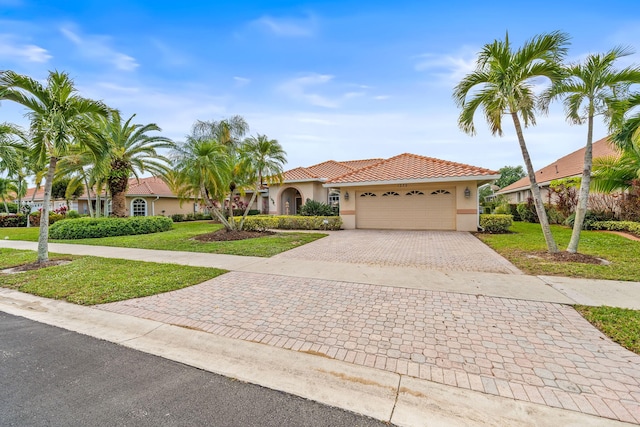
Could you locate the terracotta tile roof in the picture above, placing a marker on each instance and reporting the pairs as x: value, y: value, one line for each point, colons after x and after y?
x: 327, y: 170
x: 411, y: 167
x: 567, y: 166
x: 152, y: 186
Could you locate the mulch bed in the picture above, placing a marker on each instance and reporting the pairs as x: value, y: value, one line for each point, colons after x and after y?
x: 36, y: 266
x: 564, y: 256
x: 226, y: 236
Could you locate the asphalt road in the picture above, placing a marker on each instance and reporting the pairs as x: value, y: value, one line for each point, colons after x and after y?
x: 53, y: 377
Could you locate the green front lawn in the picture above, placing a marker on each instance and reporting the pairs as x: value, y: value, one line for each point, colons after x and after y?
x: 180, y: 239
x: 93, y: 280
x: 620, y: 324
x: 526, y: 240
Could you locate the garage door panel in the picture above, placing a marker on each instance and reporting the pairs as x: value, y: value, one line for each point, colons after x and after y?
x: 424, y: 209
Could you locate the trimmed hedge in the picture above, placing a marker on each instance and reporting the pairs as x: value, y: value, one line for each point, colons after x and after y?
x: 290, y: 222
x: 496, y: 223
x: 630, y: 226
x: 87, y: 228
x: 13, y: 220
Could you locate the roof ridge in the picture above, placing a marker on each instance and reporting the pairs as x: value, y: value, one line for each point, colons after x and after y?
x: 361, y: 169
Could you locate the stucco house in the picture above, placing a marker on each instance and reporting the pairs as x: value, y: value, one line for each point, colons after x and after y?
x: 568, y: 166
x: 145, y: 197
x: 407, y: 191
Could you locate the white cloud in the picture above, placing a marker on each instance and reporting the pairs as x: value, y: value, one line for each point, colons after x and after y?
x: 381, y: 97
x: 298, y: 88
x: 288, y: 27
x: 98, y: 47
x: 11, y: 49
x: 241, y: 81
x: 448, y: 68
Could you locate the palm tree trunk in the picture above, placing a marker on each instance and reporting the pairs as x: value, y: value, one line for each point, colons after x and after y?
x: 212, y: 208
x: 552, y: 247
x: 88, y: 190
x: 583, y: 195
x: 246, y: 210
x: 118, y: 204
x: 43, y: 237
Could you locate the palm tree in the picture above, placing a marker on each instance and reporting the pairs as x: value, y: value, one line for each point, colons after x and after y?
x: 131, y: 152
x: 11, y: 143
x: 7, y: 189
x: 266, y: 158
x: 60, y: 119
x: 226, y: 131
x: 502, y: 84
x: 621, y: 173
x: 591, y: 88
x: 203, y: 171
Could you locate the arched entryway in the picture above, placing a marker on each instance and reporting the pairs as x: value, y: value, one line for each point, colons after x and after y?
x: 290, y: 201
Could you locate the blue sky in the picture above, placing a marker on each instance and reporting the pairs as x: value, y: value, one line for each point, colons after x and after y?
x: 328, y: 79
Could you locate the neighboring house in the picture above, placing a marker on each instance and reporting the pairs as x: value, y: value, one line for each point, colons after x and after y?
x: 568, y: 166
x: 407, y: 191
x: 146, y: 197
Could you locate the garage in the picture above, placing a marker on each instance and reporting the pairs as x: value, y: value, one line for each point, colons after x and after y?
x: 432, y: 208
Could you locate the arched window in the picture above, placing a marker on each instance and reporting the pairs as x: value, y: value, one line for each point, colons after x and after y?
x: 139, y: 207
x: 415, y: 193
x: 368, y: 195
x: 390, y: 193
x: 440, y: 192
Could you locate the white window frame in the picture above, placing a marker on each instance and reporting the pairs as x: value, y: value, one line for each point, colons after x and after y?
x: 133, y: 206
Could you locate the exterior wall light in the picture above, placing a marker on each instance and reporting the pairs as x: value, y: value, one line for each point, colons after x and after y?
x: 346, y: 195
x: 467, y: 192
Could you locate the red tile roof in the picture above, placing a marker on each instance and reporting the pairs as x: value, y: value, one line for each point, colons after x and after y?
x: 326, y: 170
x: 151, y: 186
x: 406, y: 167
x: 570, y: 165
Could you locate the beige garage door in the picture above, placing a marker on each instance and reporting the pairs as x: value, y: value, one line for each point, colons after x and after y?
x: 421, y: 209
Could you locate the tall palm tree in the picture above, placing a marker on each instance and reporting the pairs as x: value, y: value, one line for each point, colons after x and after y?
x: 60, y: 119
x: 132, y: 152
x: 266, y: 158
x: 202, y: 170
x: 591, y: 88
x: 502, y: 84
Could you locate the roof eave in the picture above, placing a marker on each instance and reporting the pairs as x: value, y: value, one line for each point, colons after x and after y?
x: 414, y: 181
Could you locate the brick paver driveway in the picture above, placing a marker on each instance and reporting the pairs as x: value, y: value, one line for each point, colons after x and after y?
x: 531, y: 351
x: 436, y: 250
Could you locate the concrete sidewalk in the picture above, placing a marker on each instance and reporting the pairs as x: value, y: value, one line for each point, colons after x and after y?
x: 555, y: 289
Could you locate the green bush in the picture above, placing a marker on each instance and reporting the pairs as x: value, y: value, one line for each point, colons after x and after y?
x: 34, y: 218
x: 314, y: 208
x: 86, y: 228
x: 73, y: 214
x: 177, y: 217
x: 290, y: 222
x: 13, y: 207
x: 630, y: 226
x: 496, y: 223
x: 590, y: 218
x: 13, y: 220
x: 527, y: 211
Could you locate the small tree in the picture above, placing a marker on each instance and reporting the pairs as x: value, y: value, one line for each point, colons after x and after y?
x: 509, y: 175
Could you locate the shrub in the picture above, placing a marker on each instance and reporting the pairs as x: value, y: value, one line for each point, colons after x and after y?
x: 314, y: 208
x: 496, y: 223
x: 86, y: 228
x: 527, y: 211
x: 630, y: 226
x: 34, y: 218
x: 630, y: 208
x: 555, y: 216
x: 73, y: 214
x: 590, y: 218
x: 13, y: 220
x: 290, y: 222
x: 13, y: 207
x: 177, y: 217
